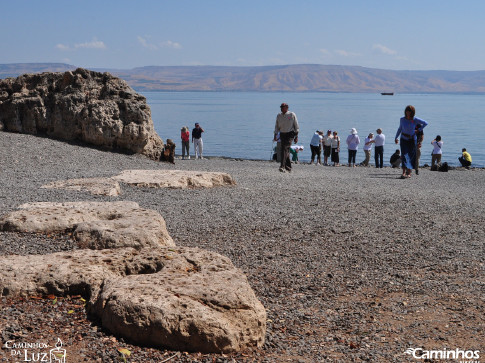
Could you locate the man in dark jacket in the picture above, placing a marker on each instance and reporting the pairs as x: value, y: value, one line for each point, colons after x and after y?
x: 197, y: 140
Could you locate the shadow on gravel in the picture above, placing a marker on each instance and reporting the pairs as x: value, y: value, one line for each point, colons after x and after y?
x: 384, y: 176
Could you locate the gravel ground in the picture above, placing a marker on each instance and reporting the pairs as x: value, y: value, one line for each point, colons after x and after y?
x: 352, y: 264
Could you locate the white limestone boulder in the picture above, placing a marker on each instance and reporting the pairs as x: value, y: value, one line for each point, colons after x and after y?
x: 95, y: 225
x: 179, y: 298
x: 178, y: 179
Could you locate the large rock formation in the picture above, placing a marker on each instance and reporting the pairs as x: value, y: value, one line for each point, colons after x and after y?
x: 154, y: 294
x: 82, y: 106
x: 179, y: 298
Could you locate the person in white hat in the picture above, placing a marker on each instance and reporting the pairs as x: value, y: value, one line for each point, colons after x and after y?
x: 353, y: 142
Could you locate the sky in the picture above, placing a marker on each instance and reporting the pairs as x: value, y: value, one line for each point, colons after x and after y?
x: 121, y: 34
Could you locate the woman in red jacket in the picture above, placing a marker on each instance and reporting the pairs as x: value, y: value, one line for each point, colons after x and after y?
x: 185, y: 135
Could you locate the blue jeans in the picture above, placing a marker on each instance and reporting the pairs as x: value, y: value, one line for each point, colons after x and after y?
x: 408, y: 153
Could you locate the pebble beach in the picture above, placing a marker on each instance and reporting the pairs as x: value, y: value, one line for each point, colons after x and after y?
x: 351, y: 264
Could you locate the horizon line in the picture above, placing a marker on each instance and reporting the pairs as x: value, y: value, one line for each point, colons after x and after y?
x: 240, y: 66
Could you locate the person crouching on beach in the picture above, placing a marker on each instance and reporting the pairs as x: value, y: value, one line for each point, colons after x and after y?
x: 407, y: 131
x: 287, y: 125
x: 185, y: 136
x: 465, y: 159
x: 335, y: 149
x: 353, y: 142
x: 294, y: 150
x: 395, y: 159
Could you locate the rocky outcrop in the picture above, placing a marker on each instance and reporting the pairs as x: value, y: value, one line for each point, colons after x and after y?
x: 94, y: 225
x: 179, y: 298
x: 80, y: 106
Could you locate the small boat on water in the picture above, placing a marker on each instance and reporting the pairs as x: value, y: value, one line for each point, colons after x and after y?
x: 387, y: 93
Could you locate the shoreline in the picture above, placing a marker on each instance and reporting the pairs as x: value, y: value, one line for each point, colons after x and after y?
x: 307, y: 162
x: 350, y: 263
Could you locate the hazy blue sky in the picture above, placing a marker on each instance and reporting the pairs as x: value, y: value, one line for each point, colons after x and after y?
x: 413, y: 34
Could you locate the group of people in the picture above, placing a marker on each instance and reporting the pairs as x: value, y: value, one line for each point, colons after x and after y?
x: 196, y: 140
x: 330, y: 144
x: 409, y: 135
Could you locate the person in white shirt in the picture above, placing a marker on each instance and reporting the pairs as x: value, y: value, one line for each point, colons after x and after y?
x: 353, y: 142
x: 379, y: 142
x: 287, y: 125
x: 367, y: 149
x: 316, y: 146
x: 327, y: 146
x: 294, y: 150
x: 335, y: 149
x: 437, y: 152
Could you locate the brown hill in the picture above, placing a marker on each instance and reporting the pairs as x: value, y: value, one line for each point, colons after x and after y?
x: 303, y: 78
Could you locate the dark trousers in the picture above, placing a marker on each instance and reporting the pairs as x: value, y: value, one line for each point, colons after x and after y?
x: 286, y: 141
x: 379, y: 156
x: 316, y: 151
x: 185, y: 148
x: 352, y: 154
x: 463, y: 162
x: 418, y: 156
x: 335, y: 157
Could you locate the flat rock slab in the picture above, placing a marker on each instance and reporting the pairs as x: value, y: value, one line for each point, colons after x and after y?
x: 174, y: 297
x: 179, y: 179
x: 95, y: 186
x: 95, y: 225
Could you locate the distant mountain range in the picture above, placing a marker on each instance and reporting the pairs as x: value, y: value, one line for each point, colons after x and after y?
x: 296, y: 78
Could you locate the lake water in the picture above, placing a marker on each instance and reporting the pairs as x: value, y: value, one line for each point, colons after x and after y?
x: 241, y: 124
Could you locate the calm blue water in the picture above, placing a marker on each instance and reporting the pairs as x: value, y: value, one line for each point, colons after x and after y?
x: 241, y: 124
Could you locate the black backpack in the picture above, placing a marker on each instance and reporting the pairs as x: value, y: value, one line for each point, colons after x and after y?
x: 444, y: 167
